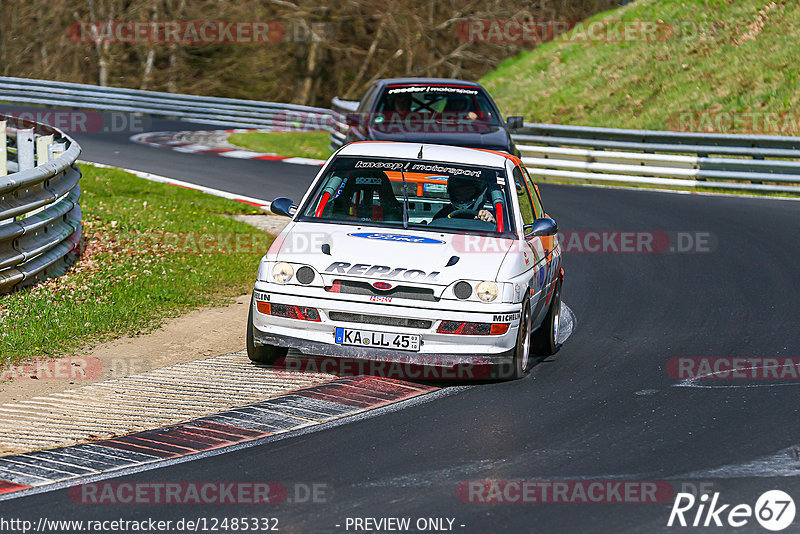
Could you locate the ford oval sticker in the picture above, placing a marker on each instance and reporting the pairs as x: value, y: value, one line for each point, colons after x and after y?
x: 397, y: 238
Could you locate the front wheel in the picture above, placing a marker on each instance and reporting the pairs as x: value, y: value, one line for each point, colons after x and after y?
x: 522, y: 351
x: 261, y: 353
x: 545, y: 338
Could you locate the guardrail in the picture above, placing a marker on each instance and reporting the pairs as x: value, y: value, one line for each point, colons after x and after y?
x: 666, y: 159
x: 205, y: 109
x: 583, y: 154
x: 40, y: 218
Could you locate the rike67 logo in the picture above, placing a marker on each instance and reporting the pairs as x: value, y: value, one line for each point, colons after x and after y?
x: 774, y: 510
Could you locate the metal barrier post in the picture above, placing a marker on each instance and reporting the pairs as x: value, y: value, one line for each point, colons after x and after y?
x: 25, y: 155
x: 55, y: 150
x: 42, y: 149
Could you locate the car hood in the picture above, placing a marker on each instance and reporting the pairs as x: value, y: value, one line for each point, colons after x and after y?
x: 396, y: 255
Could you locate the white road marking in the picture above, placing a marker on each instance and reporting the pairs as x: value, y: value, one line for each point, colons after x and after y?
x: 784, y: 463
x: 242, y: 154
x: 692, y: 382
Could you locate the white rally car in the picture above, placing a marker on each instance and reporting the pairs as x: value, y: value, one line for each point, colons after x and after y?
x: 423, y: 254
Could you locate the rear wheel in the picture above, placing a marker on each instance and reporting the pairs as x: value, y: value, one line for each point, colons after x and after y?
x: 261, y: 353
x: 545, y: 338
x: 522, y: 351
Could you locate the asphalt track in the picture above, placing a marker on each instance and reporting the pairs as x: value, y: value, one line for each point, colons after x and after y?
x: 603, y: 408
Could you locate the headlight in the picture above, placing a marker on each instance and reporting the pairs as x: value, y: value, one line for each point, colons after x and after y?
x: 283, y: 272
x: 486, y: 291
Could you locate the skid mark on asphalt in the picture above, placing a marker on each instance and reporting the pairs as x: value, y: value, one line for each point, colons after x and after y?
x: 295, y: 411
x: 143, y: 401
x: 785, y: 463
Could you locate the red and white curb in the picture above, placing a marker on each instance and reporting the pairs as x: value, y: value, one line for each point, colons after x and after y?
x: 257, y: 202
x: 213, y: 142
x: 294, y: 411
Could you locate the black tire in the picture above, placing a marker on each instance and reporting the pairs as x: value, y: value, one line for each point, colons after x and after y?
x: 522, y: 351
x: 545, y: 338
x: 261, y: 353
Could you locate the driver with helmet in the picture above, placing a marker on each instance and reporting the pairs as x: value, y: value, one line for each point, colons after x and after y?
x: 465, y: 196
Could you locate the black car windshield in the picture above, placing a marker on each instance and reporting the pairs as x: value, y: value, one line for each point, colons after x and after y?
x: 405, y: 105
x: 440, y: 196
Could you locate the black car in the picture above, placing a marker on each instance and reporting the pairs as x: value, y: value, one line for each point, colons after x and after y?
x: 431, y: 110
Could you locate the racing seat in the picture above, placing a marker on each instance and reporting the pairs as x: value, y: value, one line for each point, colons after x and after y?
x: 368, y: 195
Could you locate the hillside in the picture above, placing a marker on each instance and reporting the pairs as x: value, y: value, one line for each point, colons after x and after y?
x: 727, y: 66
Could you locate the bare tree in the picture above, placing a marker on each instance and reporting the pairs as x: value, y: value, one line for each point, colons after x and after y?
x: 329, y: 48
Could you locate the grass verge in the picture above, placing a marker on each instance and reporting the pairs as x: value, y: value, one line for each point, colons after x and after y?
x: 152, y: 251
x: 289, y: 144
x: 718, y: 65
x: 713, y: 66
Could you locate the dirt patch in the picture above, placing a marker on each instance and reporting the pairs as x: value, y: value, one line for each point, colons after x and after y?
x: 271, y: 224
x: 198, y: 334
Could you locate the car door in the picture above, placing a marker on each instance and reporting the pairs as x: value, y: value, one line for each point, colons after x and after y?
x: 545, y: 250
x: 532, y: 249
x: 552, y: 248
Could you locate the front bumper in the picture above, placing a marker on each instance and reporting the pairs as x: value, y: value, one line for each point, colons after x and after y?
x: 318, y: 338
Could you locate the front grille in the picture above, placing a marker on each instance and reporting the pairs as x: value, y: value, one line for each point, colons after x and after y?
x: 379, y: 320
x: 352, y: 287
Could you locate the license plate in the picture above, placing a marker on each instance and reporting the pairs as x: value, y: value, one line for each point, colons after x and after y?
x: 379, y: 340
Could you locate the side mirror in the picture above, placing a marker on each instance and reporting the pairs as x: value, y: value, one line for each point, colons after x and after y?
x: 353, y: 119
x: 514, y: 123
x: 542, y: 227
x: 283, y: 206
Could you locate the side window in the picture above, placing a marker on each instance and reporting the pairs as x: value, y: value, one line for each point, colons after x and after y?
x: 525, y: 206
x: 537, y: 202
x: 366, y: 102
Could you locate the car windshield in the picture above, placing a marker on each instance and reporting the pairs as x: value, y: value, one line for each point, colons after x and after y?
x: 441, y: 196
x: 442, y: 105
